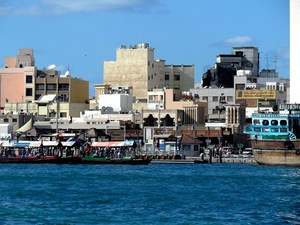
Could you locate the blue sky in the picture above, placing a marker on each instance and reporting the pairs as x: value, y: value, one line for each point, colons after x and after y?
x: 82, y: 34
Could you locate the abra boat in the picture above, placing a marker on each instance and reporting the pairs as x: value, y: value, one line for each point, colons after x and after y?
x: 40, y: 160
x: 115, y: 152
x: 124, y: 160
x: 275, y: 137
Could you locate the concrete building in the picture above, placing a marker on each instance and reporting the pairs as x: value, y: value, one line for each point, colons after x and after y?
x: 22, y: 85
x: 179, y: 77
x: 136, y: 66
x: 17, y: 78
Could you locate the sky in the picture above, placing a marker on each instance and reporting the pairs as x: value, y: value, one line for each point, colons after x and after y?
x: 82, y: 34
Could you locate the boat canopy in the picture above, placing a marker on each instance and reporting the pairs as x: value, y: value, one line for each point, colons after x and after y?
x: 35, y: 144
x: 21, y: 144
x: 68, y: 143
x: 50, y: 143
x: 112, y: 143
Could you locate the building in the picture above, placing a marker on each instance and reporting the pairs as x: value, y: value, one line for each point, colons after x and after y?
x: 136, y: 66
x: 226, y: 67
x: 17, y: 78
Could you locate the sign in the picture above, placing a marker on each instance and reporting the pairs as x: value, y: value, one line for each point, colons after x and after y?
x: 290, y: 107
x: 256, y: 94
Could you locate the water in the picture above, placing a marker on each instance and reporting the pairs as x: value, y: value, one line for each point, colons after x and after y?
x: 151, y: 194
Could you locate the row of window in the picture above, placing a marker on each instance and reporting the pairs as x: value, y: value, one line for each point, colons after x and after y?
x: 52, y: 87
x: 273, y: 129
x: 272, y: 122
x: 176, y: 77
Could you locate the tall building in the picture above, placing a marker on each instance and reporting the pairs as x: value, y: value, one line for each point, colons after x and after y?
x: 22, y: 85
x: 294, y: 51
x: 17, y: 78
x: 135, y: 66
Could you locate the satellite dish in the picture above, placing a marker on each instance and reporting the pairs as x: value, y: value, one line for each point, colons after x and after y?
x: 51, y: 67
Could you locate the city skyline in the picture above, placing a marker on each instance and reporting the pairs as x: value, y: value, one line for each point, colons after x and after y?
x: 82, y: 35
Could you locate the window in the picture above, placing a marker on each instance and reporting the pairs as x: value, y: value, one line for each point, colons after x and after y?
x: 5, y: 120
x: 265, y: 122
x: 229, y: 98
x: 205, y: 98
x: 283, y: 123
x: 274, y: 122
x: 167, y: 77
x: 51, y: 87
x: 176, y: 77
x: 215, y: 111
x: 256, y: 129
x: 40, y: 87
x: 151, y: 76
x: 215, y: 98
x: 63, y: 87
x: 256, y: 122
x: 28, y: 79
x: 28, y: 91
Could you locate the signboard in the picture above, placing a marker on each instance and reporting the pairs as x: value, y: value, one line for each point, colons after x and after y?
x: 256, y: 94
x: 290, y: 107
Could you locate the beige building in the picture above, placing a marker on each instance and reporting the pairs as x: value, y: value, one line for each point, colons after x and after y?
x: 179, y: 77
x: 135, y: 66
x: 22, y: 85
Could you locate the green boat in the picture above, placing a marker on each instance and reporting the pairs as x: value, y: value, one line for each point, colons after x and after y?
x: 113, y: 153
x: 125, y: 160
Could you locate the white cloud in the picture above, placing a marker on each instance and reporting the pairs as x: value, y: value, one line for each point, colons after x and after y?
x: 238, y: 40
x: 42, y: 7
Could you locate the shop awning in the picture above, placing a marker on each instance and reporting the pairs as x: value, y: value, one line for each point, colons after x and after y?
x: 68, y: 143
x: 26, y: 127
x: 21, y: 144
x: 35, y: 144
x: 50, y: 143
x: 112, y: 143
x: 7, y: 144
x: 108, y: 144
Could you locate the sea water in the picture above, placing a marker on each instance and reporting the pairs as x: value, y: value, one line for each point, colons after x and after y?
x: 149, y: 194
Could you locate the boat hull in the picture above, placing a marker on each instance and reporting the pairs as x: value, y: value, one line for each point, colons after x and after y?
x: 131, y: 161
x: 276, y: 152
x: 45, y: 160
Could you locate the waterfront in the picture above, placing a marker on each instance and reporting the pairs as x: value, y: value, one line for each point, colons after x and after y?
x: 151, y: 194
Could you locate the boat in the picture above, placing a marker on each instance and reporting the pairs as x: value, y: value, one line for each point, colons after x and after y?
x: 275, y: 136
x: 113, y: 152
x: 37, y: 152
x: 107, y: 160
x: 40, y: 160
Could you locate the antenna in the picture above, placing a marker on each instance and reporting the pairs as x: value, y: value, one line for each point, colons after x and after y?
x: 275, y: 61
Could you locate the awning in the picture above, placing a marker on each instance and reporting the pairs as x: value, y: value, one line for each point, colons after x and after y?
x: 68, y: 143
x: 7, y: 144
x: 35, y: 144
x: 26, y: 127
x: 108, y: 144
x: 50, y: 143
x: 21, y: 144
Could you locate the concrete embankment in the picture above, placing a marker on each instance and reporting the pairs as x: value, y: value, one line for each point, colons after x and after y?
x: 190, y: 160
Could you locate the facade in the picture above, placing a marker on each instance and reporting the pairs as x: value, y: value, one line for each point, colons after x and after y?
x: 22, y: 85
x: 216, y: 99
x: 179, y: 77
x: 136, y: 66
x: 17, y: 78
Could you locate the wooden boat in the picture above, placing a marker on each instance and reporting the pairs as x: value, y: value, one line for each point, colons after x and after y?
x: 275, y: 137
x: 40, y: 160
x: 124, y: 160
x: 115, y: 152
